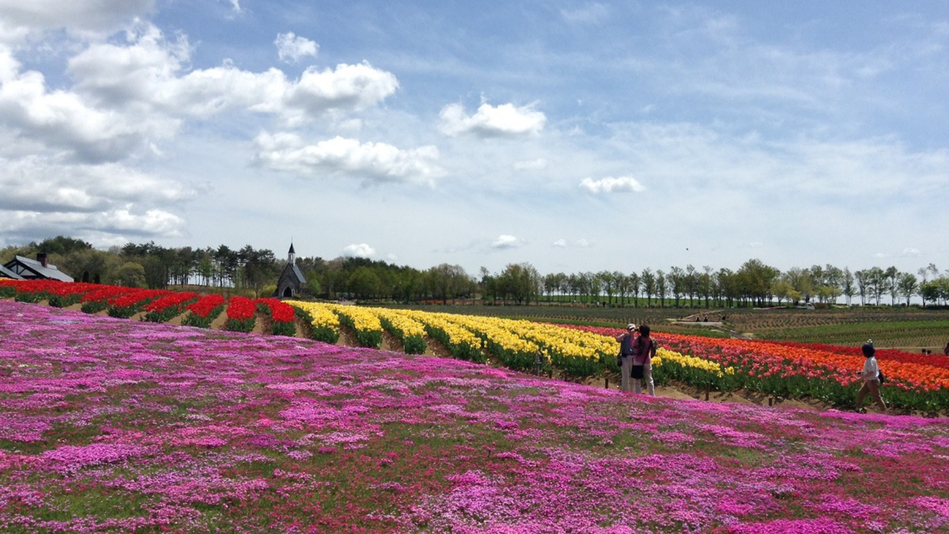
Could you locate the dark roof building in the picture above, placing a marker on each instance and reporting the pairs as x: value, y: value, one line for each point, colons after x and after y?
x: 38, y: 269
x: 291, y: 281
x: 7, y: 273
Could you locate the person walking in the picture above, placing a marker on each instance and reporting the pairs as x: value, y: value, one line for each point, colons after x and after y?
x: 644, y: 351
x: 626, y: 341
x: 871, y: 377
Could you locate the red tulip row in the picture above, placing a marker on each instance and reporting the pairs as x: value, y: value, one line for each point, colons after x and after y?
x: 204, y: 311
x: 59, y: 294
x: 241, y: 314
x: 914, y: 381
x: 282, y: 315
x: 935, y: 360
x: 168, y: 306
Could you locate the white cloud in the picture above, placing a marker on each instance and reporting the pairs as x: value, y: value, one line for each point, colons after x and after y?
x: 361, y: 250
x: 909, y: 253
x: 531, y: 165
x: 121, y: 221
x: 96, y: 16
x: 592, y: 13
x: 579, y: 243
x: 37, y: 184
x: 506, y: 242
x: 625, y: 184
x: 152, y: 222
x: 291, y: 48
x: 235, y: 5
x: 150, y: 75
x: 373, y: 162
x: 62, y: 120
x: 348, y: 87
x: 505, y: 120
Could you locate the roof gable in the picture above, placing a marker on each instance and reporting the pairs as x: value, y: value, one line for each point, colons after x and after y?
x: 27, y: 268
x: 4, y: 272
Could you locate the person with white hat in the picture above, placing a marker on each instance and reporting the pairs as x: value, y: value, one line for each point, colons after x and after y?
x: 626, y: 348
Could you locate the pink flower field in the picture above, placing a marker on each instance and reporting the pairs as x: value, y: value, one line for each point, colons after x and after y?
x: 109, y: 425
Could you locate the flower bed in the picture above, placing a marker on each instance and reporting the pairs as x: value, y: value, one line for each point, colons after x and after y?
x: 241, y: 314
x: 165, y: 308
x: 795, y: 371
x: 409, y: 331
x: 914, y: 381
x: 461, y: 342
x: 364, y: 323
x: 282, y: 316
x: 98, y: 299
x: 203, y: 312
x: 132, y: 302
x: 119, y: 426
x: 324, y: 324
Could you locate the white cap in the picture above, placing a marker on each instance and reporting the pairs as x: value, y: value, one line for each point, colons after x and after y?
x: 631, y: 326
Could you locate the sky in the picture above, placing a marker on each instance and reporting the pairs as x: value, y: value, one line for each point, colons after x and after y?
x: 574, y: 136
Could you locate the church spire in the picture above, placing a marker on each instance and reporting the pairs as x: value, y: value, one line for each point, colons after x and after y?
x: 292, y: 255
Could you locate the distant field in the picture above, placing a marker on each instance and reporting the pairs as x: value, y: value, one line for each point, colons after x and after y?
x: 592, y: 315
x: 911, y: 329
x: 906, y: 328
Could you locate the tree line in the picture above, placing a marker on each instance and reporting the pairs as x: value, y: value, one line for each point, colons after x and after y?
x: 255, y: 271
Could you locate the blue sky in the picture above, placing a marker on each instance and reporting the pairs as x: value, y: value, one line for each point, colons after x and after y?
x: 577, y: 136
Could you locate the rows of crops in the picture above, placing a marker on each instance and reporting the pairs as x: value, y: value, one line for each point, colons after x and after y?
x: 574, y: 352
x: 155, y: 305
x: 915, y: 381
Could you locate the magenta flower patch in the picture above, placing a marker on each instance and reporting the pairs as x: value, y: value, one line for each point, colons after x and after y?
x: 111, y: 426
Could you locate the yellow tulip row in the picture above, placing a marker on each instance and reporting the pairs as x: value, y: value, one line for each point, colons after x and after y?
x: 498, y: 332
x: 694, y: 363
x: 457, y: 334
x: 322, y: 316
x: 513, y: 341
x: 567, y: 342
x: 363, y: 319
x: 408, y: 326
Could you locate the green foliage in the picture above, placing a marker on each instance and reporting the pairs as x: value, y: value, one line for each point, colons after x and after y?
x: 284, y: 329
x: 414, y: 344
x: 94, y: 306
x: 324, y: 334
x: 60, y: 301
x: 124, y: 312
x: 130, y: 274
x: 30, y: 296
x: 168, y: 313
x: 237, y: 325
x: 192, y: 319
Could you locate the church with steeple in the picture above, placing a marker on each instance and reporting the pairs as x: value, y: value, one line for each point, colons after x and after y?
x: 291, y: 280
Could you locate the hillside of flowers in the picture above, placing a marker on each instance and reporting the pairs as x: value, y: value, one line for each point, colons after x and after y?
x: 109, y: 425
x: 915, y: 383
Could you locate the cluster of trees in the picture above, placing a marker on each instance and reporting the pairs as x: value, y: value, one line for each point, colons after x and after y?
x: 754, y: 283
x: 154, y: 266
x: 245, y: 270
x: 251, y: 270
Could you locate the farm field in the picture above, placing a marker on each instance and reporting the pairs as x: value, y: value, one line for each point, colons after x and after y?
x: 113, y: 425
x: 776, y: 372
x: 911, y: 329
